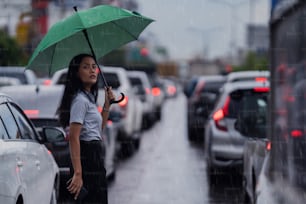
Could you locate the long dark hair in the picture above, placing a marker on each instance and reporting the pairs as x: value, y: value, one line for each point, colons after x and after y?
x: 72, y: 85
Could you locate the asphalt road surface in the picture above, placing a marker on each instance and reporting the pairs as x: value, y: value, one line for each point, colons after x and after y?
x: 168, y: 168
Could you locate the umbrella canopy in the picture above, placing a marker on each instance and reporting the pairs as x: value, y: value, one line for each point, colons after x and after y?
x: 107, y: 28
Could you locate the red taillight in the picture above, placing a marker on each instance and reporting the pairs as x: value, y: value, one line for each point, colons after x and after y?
x: 109, y: 122
x: 47, y: 82
x: 268, y: 145
x: 100, y: 109
x: 124, y: 102
x: 155, y: 91
x: 261, y: 79
x: 296, y: 133
x: 171, y: 90
x: 49, y: 152
x: 31, y: 113
x: 220, y: 114
x: 148, y: 91
x: 261, y: 89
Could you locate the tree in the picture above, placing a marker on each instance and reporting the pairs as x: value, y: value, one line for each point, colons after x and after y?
x: 11, y: 54
x: 253, y: 62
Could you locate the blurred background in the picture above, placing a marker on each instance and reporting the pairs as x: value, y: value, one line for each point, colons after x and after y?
x: 187, y: 38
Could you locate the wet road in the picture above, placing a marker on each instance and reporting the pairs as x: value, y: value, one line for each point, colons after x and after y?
x: 168, y: 168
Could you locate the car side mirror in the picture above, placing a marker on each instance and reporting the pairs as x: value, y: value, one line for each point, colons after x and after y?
x: 53, y: 134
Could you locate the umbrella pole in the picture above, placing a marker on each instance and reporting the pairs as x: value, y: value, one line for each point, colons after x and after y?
x: 100, y: 71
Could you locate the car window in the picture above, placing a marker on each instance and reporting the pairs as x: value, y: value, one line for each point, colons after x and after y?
x: 3, y: 132
x: 9, y: 122
x: 111, y: 79
x: 26, y: 130
x: 62, y: 79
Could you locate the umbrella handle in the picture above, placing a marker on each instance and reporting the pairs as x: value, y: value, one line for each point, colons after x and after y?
x: 118, y: 101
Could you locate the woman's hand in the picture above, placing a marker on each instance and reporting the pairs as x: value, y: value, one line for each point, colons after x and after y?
x: 75, y: 184
x: 109, y: 96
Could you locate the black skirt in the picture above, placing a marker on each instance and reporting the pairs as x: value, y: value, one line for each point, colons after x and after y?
x: 93, y: 171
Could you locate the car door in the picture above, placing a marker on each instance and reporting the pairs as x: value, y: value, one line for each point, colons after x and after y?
x: 14, y: 156
x: 37, y: 174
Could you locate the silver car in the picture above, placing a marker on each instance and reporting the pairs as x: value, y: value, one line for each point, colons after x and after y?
x: 28, y: 171
x: 223, y: 141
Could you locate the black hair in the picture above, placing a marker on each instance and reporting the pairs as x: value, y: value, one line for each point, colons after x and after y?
x: 73, y: 84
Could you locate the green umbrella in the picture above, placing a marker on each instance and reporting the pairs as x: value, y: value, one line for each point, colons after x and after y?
x: 95, y: 31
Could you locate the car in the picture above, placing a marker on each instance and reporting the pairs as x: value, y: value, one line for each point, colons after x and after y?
x: 9, y: 81
x: 201, y: 102
x: 29, y: 173
x: 223, y: 142
x: 41, y: 105
x: 248, y: 75
x: 170, y: 87
x: 131, y: 107
x: 140, y: 81
x: 25, y: 76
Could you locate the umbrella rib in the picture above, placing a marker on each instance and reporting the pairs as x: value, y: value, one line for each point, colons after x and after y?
x: 52, y: 56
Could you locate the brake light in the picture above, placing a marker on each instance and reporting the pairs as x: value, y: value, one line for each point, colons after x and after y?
x: 155, y: 91
x: 296, y: 133
x: 47, y: 82
x: 261, y: 79
x: 268, y: 145
x: 261, y: 89
x: 171, y: 90
x: 109, y: 122
x: 124, y: 102
x: 220, y: 114
x: 148, y: 91
x: 31, y: 113
x: 100, y: 109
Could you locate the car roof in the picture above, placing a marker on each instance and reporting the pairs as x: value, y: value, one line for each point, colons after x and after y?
x: 212, y: 78
x: 44, y: 99
x: 241, y: 75
x: 228, y: 87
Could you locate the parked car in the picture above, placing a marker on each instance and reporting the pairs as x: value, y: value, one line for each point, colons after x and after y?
x: 29, y: 173
x: 130, y: 108
x: 140, y: 82
x: 200, y: 104
x: 40, y: 106
x: 223, y: 142
x: 251, y: 75
x: 9, y: 81
x: 25, y: 76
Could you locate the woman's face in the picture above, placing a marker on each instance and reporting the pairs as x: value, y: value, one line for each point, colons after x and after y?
x: 88, y: 72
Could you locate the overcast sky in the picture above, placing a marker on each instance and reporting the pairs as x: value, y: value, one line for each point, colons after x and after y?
x: 186, y: 27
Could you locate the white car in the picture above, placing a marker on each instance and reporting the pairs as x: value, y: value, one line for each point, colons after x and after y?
x: 25, y: 76
x: 140, y: 81
x: 131, y: 107
x: 28, y: 171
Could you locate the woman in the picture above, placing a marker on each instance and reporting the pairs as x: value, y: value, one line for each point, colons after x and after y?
x: 79, y: 112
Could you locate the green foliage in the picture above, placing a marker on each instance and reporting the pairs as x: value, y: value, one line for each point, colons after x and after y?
x: 253, y: 62
x: 11, y: 54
